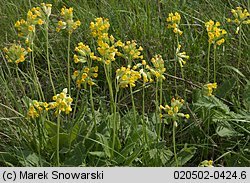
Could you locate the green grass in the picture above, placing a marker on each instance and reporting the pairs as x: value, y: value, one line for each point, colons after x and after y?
x: 100, y: 135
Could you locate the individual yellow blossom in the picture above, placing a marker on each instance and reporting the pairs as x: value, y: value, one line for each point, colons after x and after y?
x: 174, y: 22
x: 172, y: 111
x: 209, y: 88
x: 215, y: 34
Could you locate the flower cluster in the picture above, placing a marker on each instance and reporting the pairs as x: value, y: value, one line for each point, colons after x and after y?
x: 215, y: 34
x: 37, y: 108
x: 181, y: 56
x: 127, y: 77
x: 173, y: 111
x: 209, y: 88
x: 16, y: 53
x: 62, y: 102
x: 240, y: 17
x: 158, y: 68
x: 86, y: 75
x: 174, y: 22
x: 35, y: 16
x: 106, y: 44
x: 83, y: 53
x: 100, y: 27
x: 67, y: 21
x: 131, y: 52
x: 206, y: 163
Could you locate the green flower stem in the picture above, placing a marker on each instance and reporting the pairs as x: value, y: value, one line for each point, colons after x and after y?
x: 160, y: 103
x: 40, y: 142
x: 19, y: 80
x: 208, y: 64
x: 37, y: 83
x: 77, y: 97
x: 175, y: 154
x: 239, y: 61
x: 133, y: 106
x: 92, y: 108
x: 68, y: 64
x: 115, y: 130
x: 47, y: 54
x: 107, y: 69
x: 58, y: 139
x: 157, y: 109
x: 214, y: 63
x: 143, y: 114
x: 175, y: 65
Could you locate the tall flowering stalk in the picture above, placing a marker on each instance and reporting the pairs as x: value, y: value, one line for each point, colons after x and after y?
x: 173, y: 113
x: 158, y: 70
x: 70, y: 25
x: 61, y: 104
x: 86, y: 75
x: 27, y: 31
x: 16, y: 54
x: 180, y: 57
x: 240, y: 17
x: 215, y: 37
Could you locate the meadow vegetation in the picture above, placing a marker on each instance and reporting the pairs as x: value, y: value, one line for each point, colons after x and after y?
x: 125, y: 83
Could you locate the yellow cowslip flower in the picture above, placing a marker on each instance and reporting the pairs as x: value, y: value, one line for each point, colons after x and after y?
x: 36, y: 109
x: 206, y: 163
x: 174, y: 22
x: 131, y: 51
x: 215, y: 34
x: 62, y: 102
x: 127, y: 77
x: 240, y: 17
x: 158, y: 68
x: 181, y: 56
x: 209, y: 88
x: 67, y: 21
x: 86, y: 75
x: 172, y: 111
x: 99, y: 27
x: 16, y: 53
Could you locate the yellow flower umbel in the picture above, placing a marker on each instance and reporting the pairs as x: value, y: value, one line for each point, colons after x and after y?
x: 127, y: 77
x: 173, y: 111
x: 240, y: 17
x: 36, y: 109
x: 158, y: 68
x: 86, y: 75
x: 208, y: 88
x: 35, y: 16
x: 67, y: 21
x: 206, y: 163
x: 215, y: 34
x: 181, y: 56
x: 131, y: 52
x: 84, y: 53
x: 174, y: 22
x: 99, y: 27
x: 62, y: 102
x: 16, y: 53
